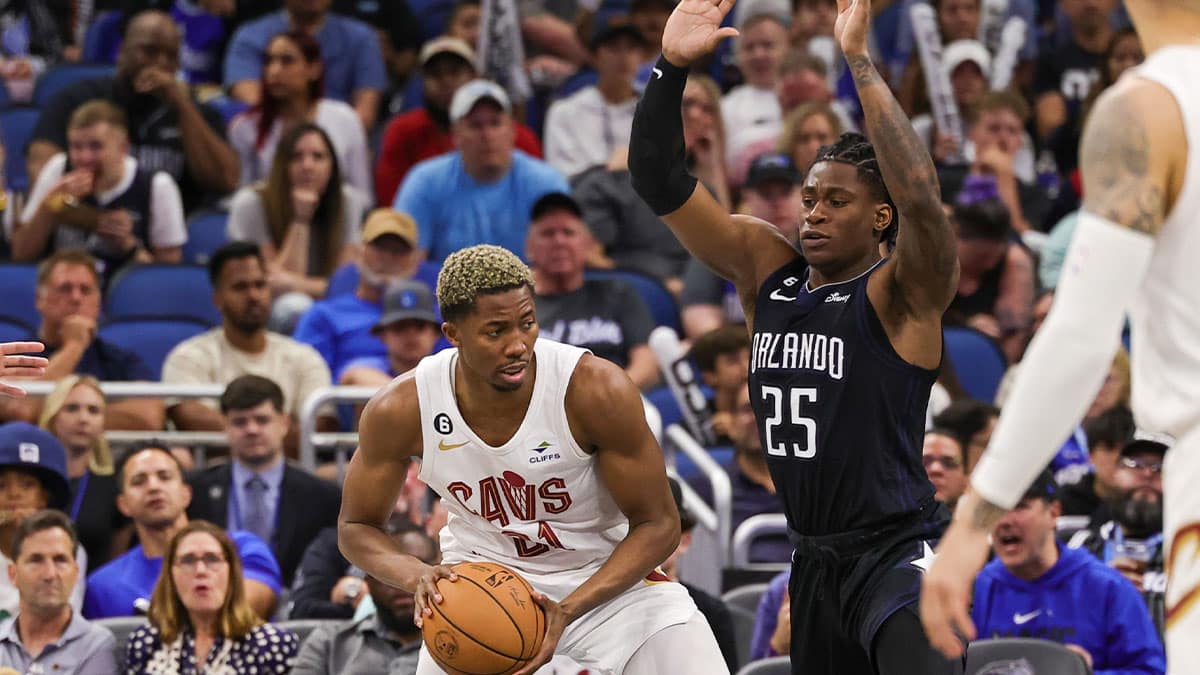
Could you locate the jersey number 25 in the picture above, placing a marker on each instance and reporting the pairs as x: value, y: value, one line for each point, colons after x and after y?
x: 775, y: 398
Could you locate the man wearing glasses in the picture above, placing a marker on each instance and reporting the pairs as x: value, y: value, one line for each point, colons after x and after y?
x: 1132, y: 541
x: 942, y: 456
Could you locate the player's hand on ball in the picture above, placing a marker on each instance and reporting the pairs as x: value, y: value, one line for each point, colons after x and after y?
x: 694, y: 29
x: 427, y: 593
x: 556, y: 622
x: 852, y: 25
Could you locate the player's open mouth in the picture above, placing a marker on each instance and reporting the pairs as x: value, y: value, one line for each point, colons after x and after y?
x: 515, y: 372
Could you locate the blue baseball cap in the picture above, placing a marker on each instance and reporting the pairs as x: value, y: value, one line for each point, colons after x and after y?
x: 772, y: 166
x: 408, y: 299
x: 24, y: 446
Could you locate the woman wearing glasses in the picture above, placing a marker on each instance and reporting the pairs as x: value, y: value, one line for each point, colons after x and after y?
x: 199, y: 621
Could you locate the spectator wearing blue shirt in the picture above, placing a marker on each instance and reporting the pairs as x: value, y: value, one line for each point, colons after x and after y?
x: 409, y: 329
x: 354, y: 70
x: 68, y: 299
x: 340, y: 328
x: 483, y: 192
x: 154, y: 495
x: 1036, y: 587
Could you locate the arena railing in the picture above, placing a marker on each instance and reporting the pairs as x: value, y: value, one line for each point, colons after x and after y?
x: 722, y: 488
x: 752, y: 528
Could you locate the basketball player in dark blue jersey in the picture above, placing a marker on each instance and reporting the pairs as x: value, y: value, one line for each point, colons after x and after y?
x: 845, y: 346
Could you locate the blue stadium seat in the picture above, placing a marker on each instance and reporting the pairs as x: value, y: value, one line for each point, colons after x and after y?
x: 660, y: 301
x: 19, y: 282
x: 228, y: 107
x: 977, y: 361
x: 663, y: 399
x: 16, y: 128
x: 62, y: 76
x: 687, y: 469
x: 151, y: 339
x: 103, y: 38
x: 206, y: 233
x: 162, y: 292
x: 15, y: 331
x: 4, y: 98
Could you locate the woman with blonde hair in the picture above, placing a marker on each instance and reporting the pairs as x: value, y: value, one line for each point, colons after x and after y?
x: 74, y: 414
x: 805, y: 130
x: 200, y: 620
x: 704, y: 135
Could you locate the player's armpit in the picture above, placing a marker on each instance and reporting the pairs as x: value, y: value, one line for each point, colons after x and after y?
x: 1132, y: 159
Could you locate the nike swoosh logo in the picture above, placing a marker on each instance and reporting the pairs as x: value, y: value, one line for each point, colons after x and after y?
x: 657, y: 73
x: 443, y: 445
x: 776, y: 295
x: 1021, y: 619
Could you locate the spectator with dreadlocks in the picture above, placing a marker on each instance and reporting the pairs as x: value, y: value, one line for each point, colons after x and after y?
x: 846, y: 344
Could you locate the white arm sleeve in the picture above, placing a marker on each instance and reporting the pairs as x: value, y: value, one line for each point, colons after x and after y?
x: 1068, y: 359
x: 167, y: 226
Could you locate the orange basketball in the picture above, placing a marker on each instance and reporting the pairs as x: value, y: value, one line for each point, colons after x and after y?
x: 487, y: 623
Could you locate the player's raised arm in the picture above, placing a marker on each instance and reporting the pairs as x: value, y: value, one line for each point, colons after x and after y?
x: 738, y: 248
x: 925, y: 263
x: 389, y: 436
x: 1128, y: 162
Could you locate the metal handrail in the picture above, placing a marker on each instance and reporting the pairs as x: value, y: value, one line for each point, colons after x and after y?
x: 751, y: 529
x: 134, y: 389
x: 722, y: 488
x: 309, y: 438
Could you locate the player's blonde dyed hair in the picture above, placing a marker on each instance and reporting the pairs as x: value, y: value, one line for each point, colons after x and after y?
x: 470, y: 272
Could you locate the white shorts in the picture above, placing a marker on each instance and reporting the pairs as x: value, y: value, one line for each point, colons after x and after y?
x: 604, y: 639
x: 1181, y: 529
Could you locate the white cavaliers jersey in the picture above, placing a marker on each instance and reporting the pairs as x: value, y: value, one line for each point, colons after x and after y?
x: 1165, y: 336
x: 535, y: 503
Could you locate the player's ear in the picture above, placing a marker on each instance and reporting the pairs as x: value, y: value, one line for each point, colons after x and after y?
x: 883, y: 217
x: 450, y: 330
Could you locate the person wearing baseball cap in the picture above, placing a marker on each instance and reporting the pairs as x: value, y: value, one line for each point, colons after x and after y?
x: 1037, y: 586
x: 447, y: 63
x: 409, y: 329
x: 483, y: 191
x: 586, y: 128
x: 340, y: 327
x: 33, y: 476
x: 772, y: 192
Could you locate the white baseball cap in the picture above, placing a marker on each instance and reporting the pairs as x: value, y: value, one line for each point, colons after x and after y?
x: 470, y: 94
x: 960, y: 51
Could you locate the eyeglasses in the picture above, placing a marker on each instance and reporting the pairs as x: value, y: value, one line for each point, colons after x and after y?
x: 948, y: 463
x: 190, y: 561
x: 1140, y: 464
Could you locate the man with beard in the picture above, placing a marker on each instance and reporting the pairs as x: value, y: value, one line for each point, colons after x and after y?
x: 1037, y: 587
x: 168, y: 130
x: 1132, y: 542
x: 386, y: 641
x: 241, y: 345
x: 341, y: 328
x: 447, y: 63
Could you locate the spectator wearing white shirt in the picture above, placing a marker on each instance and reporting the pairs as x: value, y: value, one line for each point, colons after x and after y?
x: 751, y: 110
x: 293, y: 83
x: 586, y: 128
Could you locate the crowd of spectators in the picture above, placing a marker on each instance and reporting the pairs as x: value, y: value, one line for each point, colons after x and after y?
x: 334, y: 152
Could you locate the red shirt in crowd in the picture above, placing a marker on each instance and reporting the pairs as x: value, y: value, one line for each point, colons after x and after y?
x: 413, y: 137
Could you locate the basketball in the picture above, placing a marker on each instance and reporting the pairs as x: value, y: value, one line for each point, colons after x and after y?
x: 487, y: 623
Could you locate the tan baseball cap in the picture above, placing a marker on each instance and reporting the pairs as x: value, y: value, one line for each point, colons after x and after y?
x: 390, y: 221
x: 446, y: 45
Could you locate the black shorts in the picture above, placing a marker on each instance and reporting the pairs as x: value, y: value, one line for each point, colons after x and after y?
x: 843, y: 587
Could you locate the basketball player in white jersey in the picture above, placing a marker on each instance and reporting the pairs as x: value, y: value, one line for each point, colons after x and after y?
x: 1136, y: 251
x: 542, y: 456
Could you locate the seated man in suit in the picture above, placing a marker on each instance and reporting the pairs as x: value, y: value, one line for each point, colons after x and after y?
x: 258, y: 491
x: 155, y: 497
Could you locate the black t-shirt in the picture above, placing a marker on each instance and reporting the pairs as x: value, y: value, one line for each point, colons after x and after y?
x: 394, y: 17
x: 96, y: 516
x: 1035, y: 201
x: 108, y: 362
x: 155, y: 138
x: 1071, y: 71
x: 604, y: 315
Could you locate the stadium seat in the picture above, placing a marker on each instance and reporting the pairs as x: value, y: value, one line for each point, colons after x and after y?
x: 151, y: 339
x: 977, y: 360
x: 304, y: 627
x: 776, y: 665
x: 162, y: 291
x: 16, y: 129
x: 14, y: 331
x: 1005, y: 656
x: 660, y: 301
x: 103, y: 38
x: 19, y: 282
x: 746, y: 597
x: 64, y: 75
x: 121, y: 627
x: 228, y: 107
x: 664, y: 399
x: 206, y: 233
x: 721, y: 454
x: 743, y: 632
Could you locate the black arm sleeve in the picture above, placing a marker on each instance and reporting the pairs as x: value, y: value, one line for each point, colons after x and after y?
x: 657, y: 160
x: 319, y: 571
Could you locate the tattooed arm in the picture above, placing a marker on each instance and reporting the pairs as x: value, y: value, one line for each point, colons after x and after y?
x: 1132, y: 160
